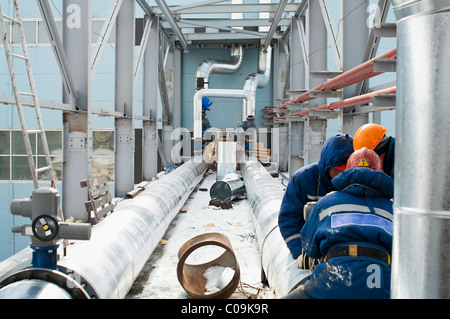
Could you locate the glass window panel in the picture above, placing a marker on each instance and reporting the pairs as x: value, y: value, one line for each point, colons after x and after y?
x: 18, y: 144
x: 103, y: 140
x: 20, y: 168
x: 30, y: 31
x: 103, y: 154
x: 54, y: 142
x: 4, y: 143
x: 4, y: 167
x: 57, y: 168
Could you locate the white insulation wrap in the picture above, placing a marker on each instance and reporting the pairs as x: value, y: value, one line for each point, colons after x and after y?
x: 121, y: 244
x: 265, y: 196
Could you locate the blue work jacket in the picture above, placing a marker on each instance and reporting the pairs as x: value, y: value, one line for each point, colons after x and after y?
x: 361, y: 213
x: 308, y: 184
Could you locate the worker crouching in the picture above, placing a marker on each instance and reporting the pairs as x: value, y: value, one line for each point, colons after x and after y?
x: 350, y: 231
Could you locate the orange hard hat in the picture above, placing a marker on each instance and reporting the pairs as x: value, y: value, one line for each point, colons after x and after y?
x: 368, y: 135
x: 365, y: 158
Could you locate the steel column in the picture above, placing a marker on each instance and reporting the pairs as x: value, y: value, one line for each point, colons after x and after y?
x: 124, y: 99
x: 77, y: 127
x: 355, y: 37
x: 150, y: 105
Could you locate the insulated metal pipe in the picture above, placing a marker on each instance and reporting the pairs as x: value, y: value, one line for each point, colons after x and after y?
x: 262, y: 77
x: 209, y: 66
x: 265, y: 196
x: 121, y: 244
x: 219, y: 93
x: 421, y: 238
x: 33, y: 289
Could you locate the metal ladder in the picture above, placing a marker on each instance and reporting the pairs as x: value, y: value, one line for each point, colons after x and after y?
x: 19, y: 94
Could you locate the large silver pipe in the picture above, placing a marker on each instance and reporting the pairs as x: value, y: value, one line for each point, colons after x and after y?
x: 421, y: 238
x: 209, y: 66
x: 262, y: 77
x: 33, y: 289
x: 265, y: 196
x: 120, y: 245
x: 219, y: 93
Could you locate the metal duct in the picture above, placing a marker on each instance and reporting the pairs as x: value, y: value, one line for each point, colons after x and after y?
x: 219, y: 66
x: 219, y: 93
x: 421, y: 238
x: 265, y: 196
x: 262, y: 77
x: 121, y: 244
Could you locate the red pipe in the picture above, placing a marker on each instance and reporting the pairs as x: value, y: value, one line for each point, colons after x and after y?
x: 362, y: 72
x: 353, y: 101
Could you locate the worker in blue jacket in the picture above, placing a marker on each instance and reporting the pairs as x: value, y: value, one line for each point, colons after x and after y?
x: 308, y: 184
x: 350, y: 231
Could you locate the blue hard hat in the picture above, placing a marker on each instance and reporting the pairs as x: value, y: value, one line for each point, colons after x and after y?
x: 206, y: 103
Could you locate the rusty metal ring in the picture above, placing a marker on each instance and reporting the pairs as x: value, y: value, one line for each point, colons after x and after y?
x: 191, y: 276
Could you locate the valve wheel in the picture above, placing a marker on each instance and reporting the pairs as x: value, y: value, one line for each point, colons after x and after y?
x: 45, y: 227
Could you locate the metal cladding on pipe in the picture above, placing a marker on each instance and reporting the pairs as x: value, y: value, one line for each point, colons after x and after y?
x: 33, y: 289
x: 262, y: 77
x: 230, y: 187
x: 219, y: 93
x: 421, y: 237
x: 219, y: 66
x: 265, y: 196
x: 121, y: 244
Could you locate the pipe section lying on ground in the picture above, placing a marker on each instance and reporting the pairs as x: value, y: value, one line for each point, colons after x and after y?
x: 192, y: 276
x: 421, y: 237
x: 230, y: 187
x: 265, y: 196
x: 121, y: 244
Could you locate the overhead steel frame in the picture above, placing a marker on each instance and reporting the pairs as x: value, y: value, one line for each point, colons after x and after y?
x: 78, y: 77
x: 357, y: 43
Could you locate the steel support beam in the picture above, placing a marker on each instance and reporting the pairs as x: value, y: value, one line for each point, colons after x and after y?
x: 276, y: 19
x: 165, y: 9
x: 356, y: 33
x: 150, y: 105
x: 77, y: 135
x: 124, y: 99
x: 57, y: 47
x: 104, y: 34
x: 315, y: 128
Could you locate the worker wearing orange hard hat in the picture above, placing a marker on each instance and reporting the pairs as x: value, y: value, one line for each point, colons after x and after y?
x: 373, y: 136
x: 349, y: 234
